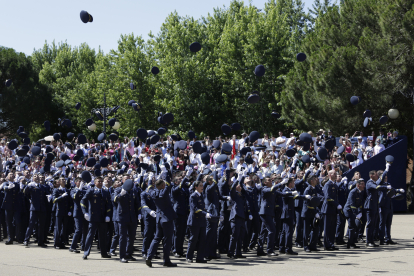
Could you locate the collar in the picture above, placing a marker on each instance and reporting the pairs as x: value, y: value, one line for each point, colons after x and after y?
x: 198, y: 193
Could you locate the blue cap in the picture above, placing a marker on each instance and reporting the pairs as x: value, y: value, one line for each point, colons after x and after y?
x: 86, y: 176
x: 254, y: 136
x: 340, y: 150
x: 367, y: 113
x: 322, y: 153
x: 226, y: 129
x: 155, y: 70
x: 354, y: 100
x: 305, y: 137
x: 221, y: 158
x: 85, y: 17
x: 64, y: 156
x: 235, y: 126
x: 128, y: 185
x: 306, y: 158
x: 7, y: 83
x: 23, y: 134
x: 383, y: 120
x: 101, y: 136
x: 81, y: 139
x: 301, y: 57
x: 132, y: 86
x: 254, y: 97
x: 197, y: 147
x: 60, y: 163
x: 205, y: 158
x: 89, y: 122
x: 389, y: 158
x: 259, y: 71
x: 36, y: 150
x: 161, y: 131
x: 167, y: 118
x: 142, y: 133
x: 275, y: 114
x: 13, y: 144
x: 191, y: 134
x: 216, y: 144
x: 90, y: 162
x: 226, y: 148
x: 306, y: 146
x: 113, y: 137
x: 154, y: 139
x: 77, y: 106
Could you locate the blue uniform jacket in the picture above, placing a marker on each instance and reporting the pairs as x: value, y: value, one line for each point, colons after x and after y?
x: 371, y: 202
x: 165, y: 210
x: 239, y: 208
x: 180, y: 196
x: 353, y: 205
x: 128, y: 206
x: 10, y: 201
x: 197, y: 216
x: 63, y: 204
x: 97, y: 203
x: 309, y: 211
x: 288, y: 210
x: 37, y: 196
x: 77, y: 194
x: 330, y: 202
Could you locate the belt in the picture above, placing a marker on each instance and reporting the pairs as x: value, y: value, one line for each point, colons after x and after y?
x: 311, y: 207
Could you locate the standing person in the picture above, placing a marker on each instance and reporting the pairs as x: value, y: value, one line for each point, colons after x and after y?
x: 329, y: 209
x: 97, y: 209
x: 353, y: 211
x: 127, y: 213
x: 37, y: 195
x: 197, y: 224
x: 165, y: 218
x: 81, y: 229
x: 340, y: 219
x: 11, y: 207
x: 148, y: 215
x: 371, y: 203
x: 281, y: 140
x: 224, y: 226
x: 63, y: 210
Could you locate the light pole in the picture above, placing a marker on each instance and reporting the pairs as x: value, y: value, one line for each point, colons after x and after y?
x: 104, y: 112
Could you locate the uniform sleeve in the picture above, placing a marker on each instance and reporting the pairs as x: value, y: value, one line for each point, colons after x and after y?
x: 84, y: 201
x: 108, y: 205
x: 193, y: 206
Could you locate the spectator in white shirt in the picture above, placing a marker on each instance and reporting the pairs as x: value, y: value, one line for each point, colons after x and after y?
x: 235, y: 142
x: 378, y: 147
x: 281, y: 140
x: 277, y: 167
x: 361, y: 144
x: 273, y: 141
x: 266, y: 141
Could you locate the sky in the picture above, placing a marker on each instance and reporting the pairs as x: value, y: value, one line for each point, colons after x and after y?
x: 27, y: 24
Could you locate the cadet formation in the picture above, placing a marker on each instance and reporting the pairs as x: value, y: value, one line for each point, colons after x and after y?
x: 221, y: 198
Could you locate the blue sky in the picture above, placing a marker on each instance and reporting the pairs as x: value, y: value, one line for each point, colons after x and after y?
x: 27, y: 24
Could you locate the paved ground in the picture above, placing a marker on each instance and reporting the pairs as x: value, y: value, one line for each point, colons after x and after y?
x: 394, y: 260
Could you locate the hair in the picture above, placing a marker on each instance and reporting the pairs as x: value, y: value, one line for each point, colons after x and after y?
x: 197, y: 183
x: 209, y: 178
x: 97, y: 178
x: 360, y: 180
x: 355, y: 174
x: 159, y: 183
x: 291, y: 179
x: 371, y: 173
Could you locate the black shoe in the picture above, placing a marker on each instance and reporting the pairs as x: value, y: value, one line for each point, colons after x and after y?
x: 123, y: 260
x: 105, y: 256
x: 207, y: 259
x: 231, y: 257
x: 335, y: 248
x: 170, y: 264
x: 201, y: 261
x: 156, y: 257
x: 281, y: 252
x: 340, y: 243
x: 84, y: 257
x: 308, y: 250
x: 372, y: 245
x: 189, y: 261
x: 391, y: 242
x: 26, y: 243
x: 148, y: 263
x: 261, y: 254
x: 291, y: 253
x: 130, y: 258
x: 8, y: 242
x: 214, y: 257
x: 329, y: 249
x: 352, y: 246
x: 74, y: 250
x: 240, y: 256
x: 273, y: 254
x: 42, y: 245
x: 46, y: 242
x: 177, y: 255
x: 112, y: 254
x: 314, y: 249
x: 382, y: 243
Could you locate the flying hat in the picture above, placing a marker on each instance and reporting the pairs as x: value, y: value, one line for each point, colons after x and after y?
x: 46, y: 124
x: 70, y: 135
x: 330, y: 144
x: 290, y: 152
x: 191, y: 134
x: 112, y: 121
x: 383, y: 120
x: 205, y: 158
x: 113, y: 137
x: 301, y: 57
x: 64, y: 156
x: 354, y: 100
x: 168, y: 118
x: 350, y: 157
x: 254, y: 135
x: 367, y: 113
x: 306, y: 158
x: 66, y: 123
x: 81, y: 139
x: 154, y: 139
x: 23, y: 134
x: 236, y: 126
x: 151, y: 133
x: 36, y: 150
x: 259, y: 71
x: 248, y: 160
x: 155, y: 70
x: 254, y: 97
x: 26, y: 140
x: 143, y: 166
x: 306, y: 146
x: 389, y: 159
x: 161, y: 131
x: 226, y: 129
x: 90, y: 162
x: 21, y: 152
x: 260, y: 147
x: 132, y: 86
x: 340, y: 150
x: 245, y: 150
x: 182, y: 144
x: 195, y: 47
x: 7, y: 83
x: 85, y: 17
x: 305, y: 137
x: 142, y: 133
x: 399, y: 196
x: 216, y: 144
x: 13, y: 144
x: 367, y: 121
x: 101, y: 136
x: 104, y: 162
x: 77, y: 106
x: 60, y: 164
x: 322, y: 153
x: 86, y: 176
x: 275, y: 114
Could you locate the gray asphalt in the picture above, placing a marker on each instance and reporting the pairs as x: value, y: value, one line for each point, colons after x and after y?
x: 390, y: 259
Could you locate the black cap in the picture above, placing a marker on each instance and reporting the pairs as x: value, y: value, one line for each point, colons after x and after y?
x: 301, y: 57
x: 142, y: 133
x: 112, y: 121
x: 161, y: 131
x: 245, y: 150
x: 350, y: 157
x: 197, y: 147
x: 8, y: 82
x: 306, y: 158
x: 205, y: 158
x: 195, y: 47
x: 70, y: 135
x: 275, y: 114
x: 226, y: 129
x: 86, y: 17
x: 383, y: 120
x: 13, y: 144
x: 36, y: 150
x: 290, y: 152
x: 155, y: 70
x: 191, y: 134
x: 259, y: 71
x: 254, y: 135
x: 77, y: 106
x: 254, y: 97
x: 367, y: 113
x: 88, y: 122
x: 330, y: 144
x: 305, y: 137
x: 86, y: 176
x: 113, y: 137
x: 154, y: 139
x: 64, y: 156
x: 81, y: 139
x: 322, y: 153
x: 90, y: 162
x: 354, y: 100
x: 167, y: 118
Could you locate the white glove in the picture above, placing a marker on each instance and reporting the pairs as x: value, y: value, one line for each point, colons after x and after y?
x: 308, y: 197
x: 379, y: 209
x: 49, y: 197
x: 401, y: 191
x: 295, y: 193
x: 1, y: 186
x: 228, y: 198
x: 70, y: 214
x: 64, y: 194
x: 359, y: 216
x: 317, y: 216
x: 22, y: 186
x: 129, y: 171
x: 221, y: 218
x: 259, y: 174
x: 123, y: 192
x: 123, y: 167
x: 189, y: 172
x: 387, y: 166
x: 11, y: 186
x: 239, y: 177
x: 208, y: 215
x: 339, y: 207
x: 250, y: 217
x: 163, y: 169
x: 139, y: 216
x: 284, y: 181
x: 87, y: 217
x: 153, y: 214
x: 150, y: 175
x: 82, y: 184
x: 245, y: 172
x: 107, y: 219
x: 389, y: 187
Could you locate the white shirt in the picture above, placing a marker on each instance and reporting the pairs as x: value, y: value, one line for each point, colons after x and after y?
x: 378, y: 149
x: 236, y: 142
x: 241, y: 143
x: 281, y: 139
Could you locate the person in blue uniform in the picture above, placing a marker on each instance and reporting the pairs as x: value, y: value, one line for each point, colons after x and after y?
x: 127, y: 210
x: 165, y: 226
x: 353, y: 211
x: 81, y: 229
x: 115, y: 220
x: 300, y: 186
x: 371, y: 204
x: 97, y: 210
x: 288, y: 216
x: 224, y: 226
x: 11, y: 207
x: 253, y: 225
x: 180, y: 194
x: 340, y: 219
x: 197, y: 224
x: 148, y: 215
x: 63, y: 210
x: 330, y: 206
x: 238, y: 215
x: 37, y: 195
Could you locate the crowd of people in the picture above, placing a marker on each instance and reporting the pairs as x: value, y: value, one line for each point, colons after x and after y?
x: 225, y: 195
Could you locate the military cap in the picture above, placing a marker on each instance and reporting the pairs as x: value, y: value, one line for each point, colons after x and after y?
x: 36, y: 150
x: 330, y: 144
x: 8, y: 82
x: 64, y: 156
x: 60, y: 163
x: 157, y: 158
x: 137, y: 106
x: 216, y: 144
x: 26, y: 160
x: 113, y: 137
x: 21, y: 152
x: 354, y: 100
x: 154, y: 139
x: 85, y: 17
x: 81, y: 139
x: 77, y: 106
x: 367, y: 113
x: 205, y: 158
x: 322, y: 153
x: 383, y: 120
x: 26, y: 140
x: 350, y: 157
x: 168, y: 118
x: 389, y: 159
x: 245, y: 150
x: 182, y: 144
x: 260, y: 147
x: 123, y: 163
x: 314, y: 201
x: 275, y: 114
x: 254, y: 135
x: 86, y: 176
x: 399, y: 196
x: 248, y: 160
x: 301, y: 57
x: 226, y: 148
x: 226, y: 129
x: 151, y: 133
x: 197, y: 147
x: 254, y: 97
x: 112, y: 121
x: 191, y: 134
x: 195, y: 47
x: 290, y: 152
x: 23, y: 134
x: 66, y: 123
x: 305, y: 137
x: 101, y: 136
x: 235, y: 126
x: 259, y: 71
x: 306, y: 146
x: 143, y: 166
x: 90, y: 162
x: 391, y: 193
x: 161, y: 131
x: 306, y: 158
x: 133, y: 87
x: 142, y: 133
x: 104, y: 162
x: 155, y: 70
x: 221, y: 158
x: 340, y: 150
x: 128, y: 185
x: 13, y: 144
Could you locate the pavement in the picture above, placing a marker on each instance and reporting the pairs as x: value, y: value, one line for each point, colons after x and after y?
x: 389, y: 259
